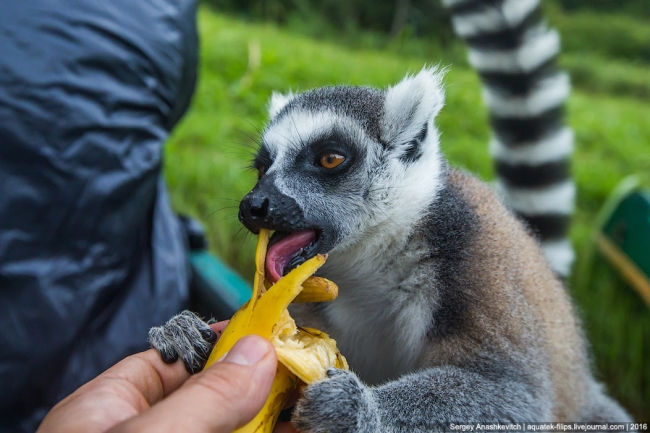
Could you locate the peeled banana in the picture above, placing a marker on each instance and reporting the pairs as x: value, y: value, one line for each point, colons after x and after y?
x: 303, y: 353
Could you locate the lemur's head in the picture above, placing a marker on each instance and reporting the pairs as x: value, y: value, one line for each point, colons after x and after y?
x: 338, y: 164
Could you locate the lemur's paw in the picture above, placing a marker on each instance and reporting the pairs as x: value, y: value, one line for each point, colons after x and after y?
x: 185, y: 336
x: 336, y: 404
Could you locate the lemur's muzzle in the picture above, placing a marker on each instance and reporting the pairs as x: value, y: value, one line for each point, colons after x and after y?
x: 295, y: 239
x: 266, y: 207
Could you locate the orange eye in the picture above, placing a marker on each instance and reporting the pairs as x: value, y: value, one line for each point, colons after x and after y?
x: 331, y: 160
x: 261, y: 171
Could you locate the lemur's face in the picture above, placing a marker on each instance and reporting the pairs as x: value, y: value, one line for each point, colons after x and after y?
x: 332, y: 164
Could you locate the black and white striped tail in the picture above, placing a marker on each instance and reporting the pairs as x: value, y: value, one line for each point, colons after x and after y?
x: 515, y: 54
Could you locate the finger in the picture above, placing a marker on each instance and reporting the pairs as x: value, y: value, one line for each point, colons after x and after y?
x: 220, y: 399
x: 125, y: 390
x: 149, y: 375
x: 219, y: 326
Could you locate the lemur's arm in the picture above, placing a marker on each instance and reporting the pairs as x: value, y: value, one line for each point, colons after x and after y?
x: 425, y: 401
x: 420, y: 402
x: 185, y: 336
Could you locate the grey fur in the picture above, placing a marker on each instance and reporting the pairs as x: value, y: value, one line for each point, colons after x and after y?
x: 186, y: 336
x: 355, y: 410
x: 343, y: 404
x: 360, y: 103
x: 447, y: 310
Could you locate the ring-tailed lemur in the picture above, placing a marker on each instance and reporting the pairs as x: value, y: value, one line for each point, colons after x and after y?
x: 447, y: 309
x: 515, y: 54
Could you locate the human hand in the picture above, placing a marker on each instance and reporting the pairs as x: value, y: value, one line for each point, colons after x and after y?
x: 141, y: 393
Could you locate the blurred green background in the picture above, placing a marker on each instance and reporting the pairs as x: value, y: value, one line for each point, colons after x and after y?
x: 251, y: 47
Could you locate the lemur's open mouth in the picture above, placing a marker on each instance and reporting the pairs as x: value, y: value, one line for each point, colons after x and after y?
x: 288, y: 250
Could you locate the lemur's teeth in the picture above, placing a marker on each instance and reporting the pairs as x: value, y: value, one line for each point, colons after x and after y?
x: 303, y: 352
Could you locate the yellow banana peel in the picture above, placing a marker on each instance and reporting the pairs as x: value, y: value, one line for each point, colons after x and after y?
x: 303, y: 353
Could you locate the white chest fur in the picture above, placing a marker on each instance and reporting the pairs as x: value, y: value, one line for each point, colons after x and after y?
x: 382, y: 314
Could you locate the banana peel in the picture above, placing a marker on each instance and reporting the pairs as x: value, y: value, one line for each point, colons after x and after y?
x: 303, y: 353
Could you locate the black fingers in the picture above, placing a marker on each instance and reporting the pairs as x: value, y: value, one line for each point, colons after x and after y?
x: 169, y: 356
x: 193, y: 366
x: 209, y: 335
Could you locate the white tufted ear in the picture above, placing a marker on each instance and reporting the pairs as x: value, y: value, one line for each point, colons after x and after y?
x: 411, y: 105
x: 278, y: 102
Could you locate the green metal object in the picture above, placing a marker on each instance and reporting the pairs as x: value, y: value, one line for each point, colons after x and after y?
x: 629, y: 229
x: 625, y: 241
x: 584, y: 271
x: 217, y: 290
x: 623, y: 234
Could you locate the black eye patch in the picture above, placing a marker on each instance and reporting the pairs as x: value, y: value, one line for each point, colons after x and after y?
x: 263, y: 159
x: 333, y: 144
x: 308, y: 161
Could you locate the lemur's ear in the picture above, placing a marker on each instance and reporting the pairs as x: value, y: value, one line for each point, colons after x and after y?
x: 277, y: 102
x: 410, y: 107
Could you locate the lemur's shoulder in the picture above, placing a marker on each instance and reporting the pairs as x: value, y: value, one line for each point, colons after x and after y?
x: 522, y: 301
x: 480, y: 256
x: 501, y: 251
x: 496, y: 230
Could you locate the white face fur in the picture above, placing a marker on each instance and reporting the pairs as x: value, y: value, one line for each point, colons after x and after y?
x: 390, y: 174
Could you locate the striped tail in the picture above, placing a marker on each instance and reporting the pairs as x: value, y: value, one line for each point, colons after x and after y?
x: 515, y: 54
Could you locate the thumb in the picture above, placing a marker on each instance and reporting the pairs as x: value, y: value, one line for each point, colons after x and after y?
x: 220, y: 399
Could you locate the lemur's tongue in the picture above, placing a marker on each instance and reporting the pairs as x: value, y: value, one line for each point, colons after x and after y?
x: 282, y: 251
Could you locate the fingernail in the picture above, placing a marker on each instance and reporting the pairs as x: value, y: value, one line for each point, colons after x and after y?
x: 247, y: 351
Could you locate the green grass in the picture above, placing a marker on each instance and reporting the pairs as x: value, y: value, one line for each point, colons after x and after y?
x: 206, y: 158
x: 605, y: 53
x: 596, y: 74
x: 616, y: 36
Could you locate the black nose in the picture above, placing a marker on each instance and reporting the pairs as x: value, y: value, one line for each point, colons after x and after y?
x: 266, y: 207
x: 254, y: 211
x: 258, y: 208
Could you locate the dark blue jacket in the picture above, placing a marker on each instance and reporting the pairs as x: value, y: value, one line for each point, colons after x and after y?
x: 91, y: 254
